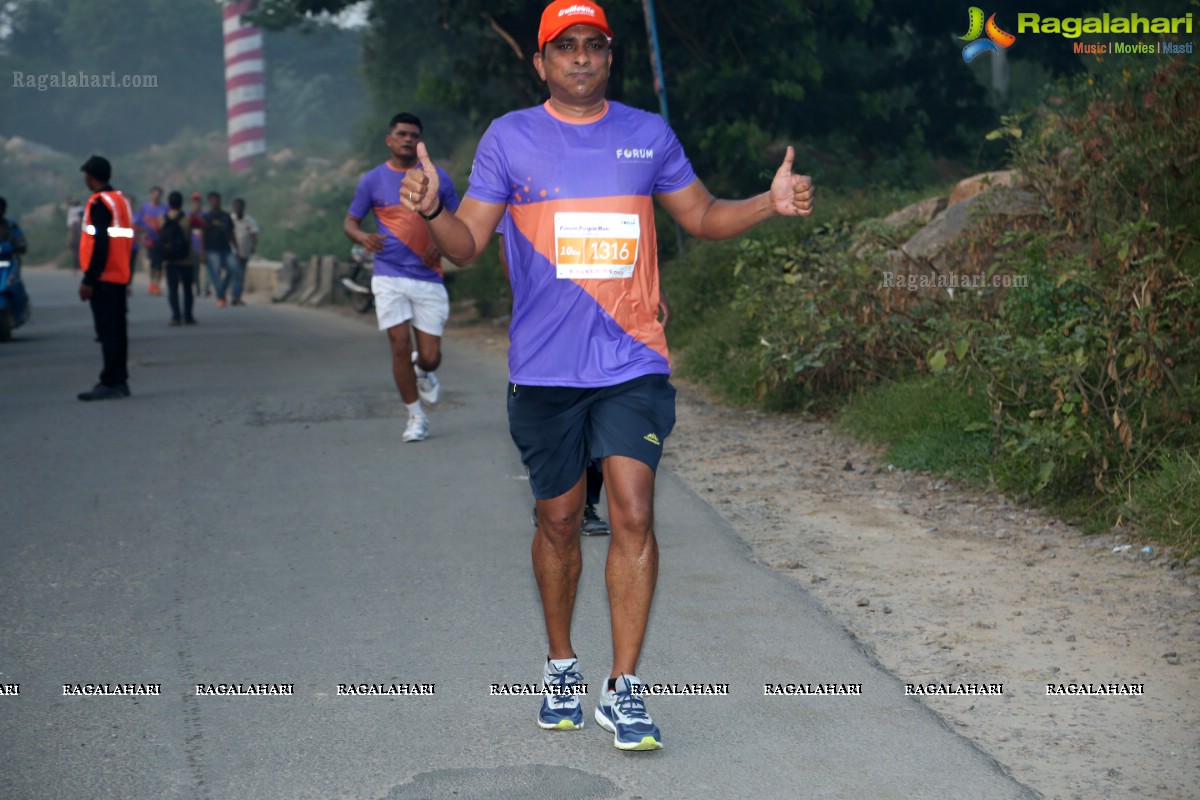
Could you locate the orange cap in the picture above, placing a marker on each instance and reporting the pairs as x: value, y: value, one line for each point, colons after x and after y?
x: 562, y: 14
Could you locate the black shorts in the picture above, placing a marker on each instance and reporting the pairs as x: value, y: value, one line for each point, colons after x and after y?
x: 558, y: 429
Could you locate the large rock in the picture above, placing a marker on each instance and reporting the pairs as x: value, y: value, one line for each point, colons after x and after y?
x: 978, y: 184
x: 933, y: 249
x: 879, y: 235
x: 922, y: 212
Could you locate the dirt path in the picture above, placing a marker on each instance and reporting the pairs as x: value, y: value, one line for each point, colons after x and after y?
x: 946, y: 585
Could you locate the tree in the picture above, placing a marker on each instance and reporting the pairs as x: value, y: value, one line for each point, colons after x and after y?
x: 176, y: 48
x: 174, y: 53
x: 873, y: 90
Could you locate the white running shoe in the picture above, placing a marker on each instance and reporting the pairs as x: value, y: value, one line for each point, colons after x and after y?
x: 417, y: 429
x: 623, y: 714
x: 427, y: 383
x: 563, y: 684
x: 428, y: 387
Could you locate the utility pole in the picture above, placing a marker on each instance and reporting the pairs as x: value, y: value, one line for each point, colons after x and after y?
x: 660, y: 87
x: 660, y: 84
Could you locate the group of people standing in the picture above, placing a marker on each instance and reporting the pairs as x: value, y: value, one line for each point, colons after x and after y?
x: 107, y: 234
x: 177, y: 243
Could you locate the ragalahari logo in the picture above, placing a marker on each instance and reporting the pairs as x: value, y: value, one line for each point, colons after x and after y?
x: 996, y: 39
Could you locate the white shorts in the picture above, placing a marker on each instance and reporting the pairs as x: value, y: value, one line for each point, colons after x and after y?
x: 397, y: 300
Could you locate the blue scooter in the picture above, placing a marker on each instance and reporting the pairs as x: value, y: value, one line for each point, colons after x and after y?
x: 14, y: 300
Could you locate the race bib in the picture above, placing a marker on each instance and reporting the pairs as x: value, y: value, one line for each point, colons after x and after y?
x: 597, y: 245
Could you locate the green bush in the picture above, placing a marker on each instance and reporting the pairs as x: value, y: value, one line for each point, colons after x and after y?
x: 1165, y: 504
x: 1092, y: 369
x: 1077, y: 386
x: 707, y: 341
x: 786, y: 316
x: 824, y: 326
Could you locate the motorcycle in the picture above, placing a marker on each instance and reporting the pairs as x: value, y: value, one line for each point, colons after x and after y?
x: 14, y: 300
x: 358, y: 283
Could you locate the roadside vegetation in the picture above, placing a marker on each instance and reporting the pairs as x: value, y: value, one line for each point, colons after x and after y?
x: 1079, y: 390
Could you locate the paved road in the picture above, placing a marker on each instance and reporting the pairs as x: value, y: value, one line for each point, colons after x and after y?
x: 251, y: 516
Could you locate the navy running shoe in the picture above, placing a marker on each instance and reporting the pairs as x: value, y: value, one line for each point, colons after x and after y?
x: 560, y: 705
x: 593, y: 523
x: 623, y: 714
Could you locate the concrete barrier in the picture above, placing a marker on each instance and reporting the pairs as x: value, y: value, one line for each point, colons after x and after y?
x: 262, y: 275
x: 287, y: 279
x: 313, y: 282
x: 310, y: 274
x: 326, y: 271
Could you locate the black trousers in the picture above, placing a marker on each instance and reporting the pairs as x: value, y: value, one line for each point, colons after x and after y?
x: 108, y: 312
x: 177, y: 274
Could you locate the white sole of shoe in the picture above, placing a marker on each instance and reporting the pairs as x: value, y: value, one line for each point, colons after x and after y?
x: 562, y: 725
x: 647, y: 742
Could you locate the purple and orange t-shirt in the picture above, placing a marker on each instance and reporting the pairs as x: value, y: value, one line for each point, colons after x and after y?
x: 405, y: 236
x: 150, y: 216
x: 579, y: 239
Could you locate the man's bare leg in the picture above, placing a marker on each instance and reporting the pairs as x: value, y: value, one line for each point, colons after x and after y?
x: 632, y: 569
x: 429, y: 350
x: 402, y: 366
x: 557, y: 564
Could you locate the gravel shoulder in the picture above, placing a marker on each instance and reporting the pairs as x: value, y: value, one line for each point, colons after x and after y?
x: 948, y: 585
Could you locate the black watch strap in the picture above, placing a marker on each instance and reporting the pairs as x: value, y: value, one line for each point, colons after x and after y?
x: 436, y: 211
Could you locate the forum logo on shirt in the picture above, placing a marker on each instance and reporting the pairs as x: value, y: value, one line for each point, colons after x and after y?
x: 635, y: 154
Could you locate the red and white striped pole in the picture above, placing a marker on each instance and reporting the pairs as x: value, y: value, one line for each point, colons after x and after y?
x: 245, y: 92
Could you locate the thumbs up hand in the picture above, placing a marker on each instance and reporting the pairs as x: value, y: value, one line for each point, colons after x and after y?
x: 419, y: 189
x: 791, y: 195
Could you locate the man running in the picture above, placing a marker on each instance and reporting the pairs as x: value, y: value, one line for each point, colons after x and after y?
x: 408, y: 283
x: 588, y: 359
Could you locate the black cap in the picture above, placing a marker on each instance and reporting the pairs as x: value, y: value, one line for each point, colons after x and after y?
x: 98, y: 167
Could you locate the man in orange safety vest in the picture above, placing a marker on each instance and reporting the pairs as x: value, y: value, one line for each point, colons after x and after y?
x: 105, y: 246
